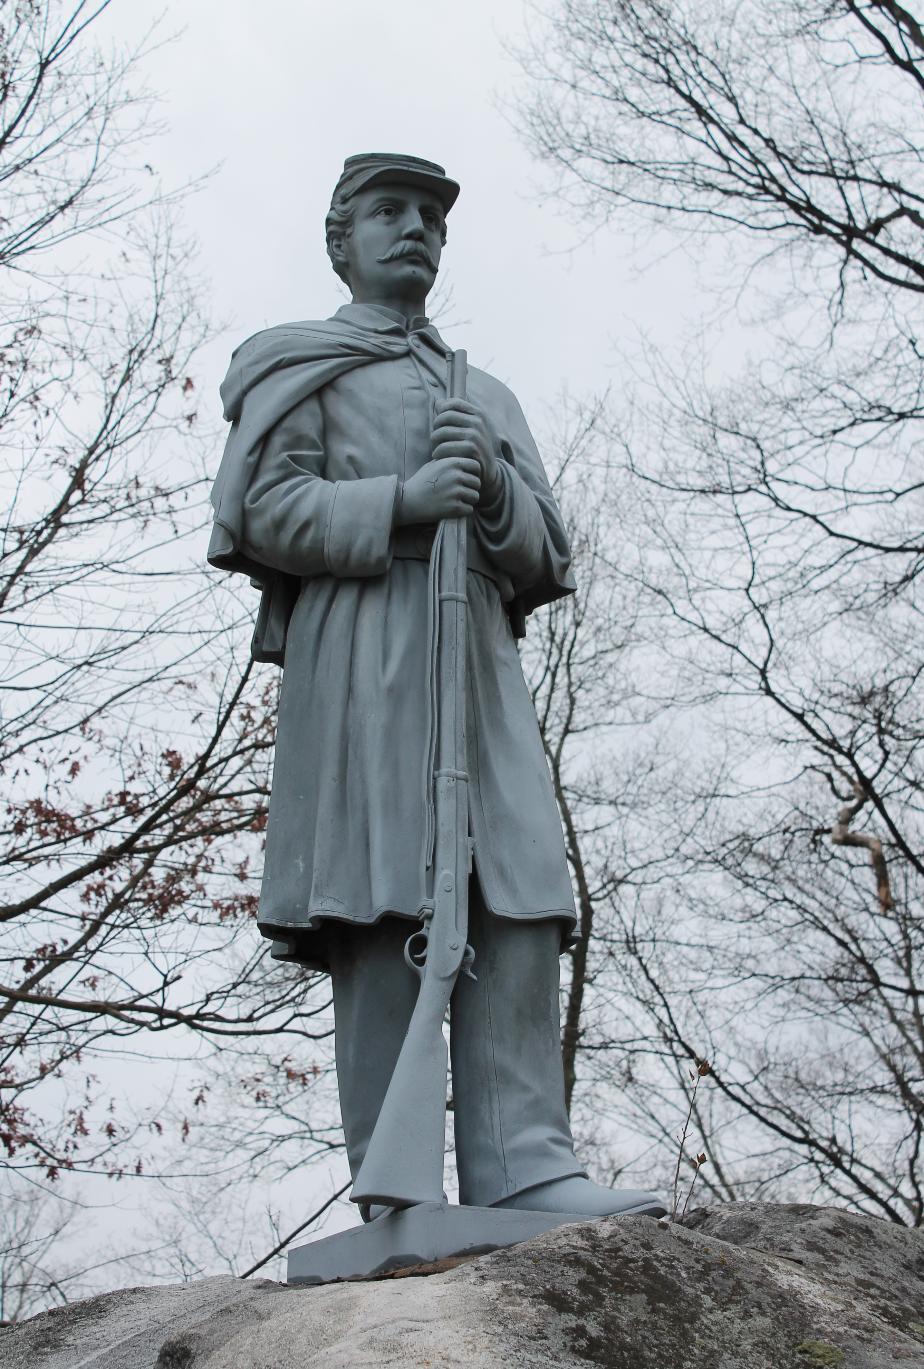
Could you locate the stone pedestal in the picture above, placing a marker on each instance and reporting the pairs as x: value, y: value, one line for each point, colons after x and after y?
x: 417, y: 1235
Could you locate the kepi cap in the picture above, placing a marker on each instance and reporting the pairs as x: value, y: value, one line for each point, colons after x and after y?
x: 372, y: 168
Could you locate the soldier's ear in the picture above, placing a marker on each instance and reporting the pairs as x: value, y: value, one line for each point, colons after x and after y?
x: 336, y: 251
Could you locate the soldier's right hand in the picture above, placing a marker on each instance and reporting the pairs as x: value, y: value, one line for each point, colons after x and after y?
x: 446, y: 488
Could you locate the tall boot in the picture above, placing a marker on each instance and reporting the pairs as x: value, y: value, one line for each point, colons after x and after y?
x: 513, y: 1141
x: 511, y: 1124
x: 374, y: 996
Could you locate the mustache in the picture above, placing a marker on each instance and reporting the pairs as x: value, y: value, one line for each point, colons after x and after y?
x: 409, y: 249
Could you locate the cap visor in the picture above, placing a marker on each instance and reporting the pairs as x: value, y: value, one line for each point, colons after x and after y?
x: 445, y: 190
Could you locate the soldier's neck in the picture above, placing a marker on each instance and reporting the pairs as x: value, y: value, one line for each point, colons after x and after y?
x: 410, y: 307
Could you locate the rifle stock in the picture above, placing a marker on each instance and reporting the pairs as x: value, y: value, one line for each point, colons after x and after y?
x: 403, y: 1163
x: 404, y: 1160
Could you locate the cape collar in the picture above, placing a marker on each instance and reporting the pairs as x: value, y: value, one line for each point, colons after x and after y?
x: 379, y: 319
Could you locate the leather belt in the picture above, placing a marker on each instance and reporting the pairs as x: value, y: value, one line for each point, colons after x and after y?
x: 414, y: 543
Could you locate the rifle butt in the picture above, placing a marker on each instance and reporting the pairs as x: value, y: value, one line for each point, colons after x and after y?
x: 403, y: 1164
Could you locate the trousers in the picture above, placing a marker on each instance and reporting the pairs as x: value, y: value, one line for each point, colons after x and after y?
x: 511, y: 1125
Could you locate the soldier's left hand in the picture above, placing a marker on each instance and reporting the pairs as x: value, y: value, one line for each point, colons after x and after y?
x: 461, y: 429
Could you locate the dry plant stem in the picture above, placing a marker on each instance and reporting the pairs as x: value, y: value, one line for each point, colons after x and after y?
x: 697, y: 1166
x: 682, y: 1149
x: 702, y: 1069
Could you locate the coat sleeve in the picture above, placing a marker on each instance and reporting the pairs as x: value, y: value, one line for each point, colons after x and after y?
x: 296, y: 521
x: 522, y: 530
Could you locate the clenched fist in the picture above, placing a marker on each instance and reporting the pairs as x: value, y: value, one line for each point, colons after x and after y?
x: 447, y: 488
x: 460, y: 429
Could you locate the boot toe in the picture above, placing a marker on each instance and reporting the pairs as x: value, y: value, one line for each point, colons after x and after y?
x: 576, y: 1195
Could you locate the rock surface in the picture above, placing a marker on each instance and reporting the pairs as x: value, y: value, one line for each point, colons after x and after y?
x: 742, y: 1286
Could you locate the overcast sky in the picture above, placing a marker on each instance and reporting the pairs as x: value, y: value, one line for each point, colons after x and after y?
x: 275, y: 95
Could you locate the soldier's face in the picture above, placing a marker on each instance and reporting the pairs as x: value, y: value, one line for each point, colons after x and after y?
x: 395, y: 246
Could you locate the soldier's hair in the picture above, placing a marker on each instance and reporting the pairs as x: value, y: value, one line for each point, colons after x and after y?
x: 339, y: 223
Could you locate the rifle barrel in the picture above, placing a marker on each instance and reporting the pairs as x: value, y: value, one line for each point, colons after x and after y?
x: 404, y: 1160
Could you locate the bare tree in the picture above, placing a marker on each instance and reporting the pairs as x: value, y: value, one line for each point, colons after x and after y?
x: 769, y: 537
x: 135, y: 739
x: 31, y: 1227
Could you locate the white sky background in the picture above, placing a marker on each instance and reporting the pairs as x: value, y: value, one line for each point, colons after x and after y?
x: 274, y: 96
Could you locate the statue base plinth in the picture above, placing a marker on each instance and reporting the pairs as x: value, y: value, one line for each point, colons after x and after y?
x: 418, y: 1235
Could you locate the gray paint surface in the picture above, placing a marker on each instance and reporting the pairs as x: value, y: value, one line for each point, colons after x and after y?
x: 347, y: 819
x: 417, y: 1235
x: 350, y: 446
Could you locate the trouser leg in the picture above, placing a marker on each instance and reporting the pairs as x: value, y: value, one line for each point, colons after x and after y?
x: 511, y: 1124
x: 374, y: 996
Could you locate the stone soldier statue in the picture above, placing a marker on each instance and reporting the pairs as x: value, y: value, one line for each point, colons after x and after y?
x: 344, y: 455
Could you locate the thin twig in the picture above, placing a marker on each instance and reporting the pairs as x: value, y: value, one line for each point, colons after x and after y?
x: 697, y: 1164
x: 680, y: 1153
x: 702, y: 1069
x: 292, y: 1234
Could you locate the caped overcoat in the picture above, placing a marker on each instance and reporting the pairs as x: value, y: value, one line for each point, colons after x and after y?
x: 328, y: 419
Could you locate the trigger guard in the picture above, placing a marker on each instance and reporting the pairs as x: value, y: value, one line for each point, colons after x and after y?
x: 416, y: 965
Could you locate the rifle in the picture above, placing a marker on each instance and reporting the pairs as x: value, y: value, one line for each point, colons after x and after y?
x: 403, y: 1164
